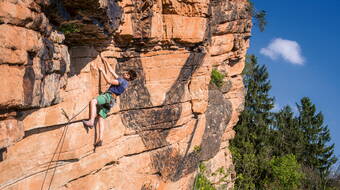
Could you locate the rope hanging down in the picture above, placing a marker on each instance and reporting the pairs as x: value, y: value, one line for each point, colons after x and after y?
x: 61, y: 143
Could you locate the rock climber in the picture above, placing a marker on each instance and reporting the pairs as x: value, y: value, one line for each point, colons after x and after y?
x: 101, y: 105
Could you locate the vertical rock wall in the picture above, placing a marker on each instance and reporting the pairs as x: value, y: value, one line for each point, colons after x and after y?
x: 168, y: 120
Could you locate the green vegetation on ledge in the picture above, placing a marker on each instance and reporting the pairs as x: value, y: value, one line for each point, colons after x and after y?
x: 69, y: 28
x: 201, y: 181
x: 217, y: 78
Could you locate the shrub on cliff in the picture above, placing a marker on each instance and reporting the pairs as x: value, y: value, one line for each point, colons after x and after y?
x: 217, y: 78
x: 69, y: 28
x: 201, y: 181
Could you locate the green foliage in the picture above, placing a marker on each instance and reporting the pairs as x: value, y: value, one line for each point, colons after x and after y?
x: 286, y: 173
x: 202, y: 168
x: 197, y: 149
x: 201, y: 181
x: 272, y: 150
x: 286, y: 135
x: 251, y: 146
x: 259, y: 16
x: 316, y: 155
x: 306, y: 137
x: 334, y: 179
x: 217, y: 78
x: 69, y: 28
x: 220, y: 175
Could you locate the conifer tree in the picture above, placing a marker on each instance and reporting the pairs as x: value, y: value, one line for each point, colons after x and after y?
x: 250, y: 146
x: 269, y: 148
x: 286, y: 136
x: 316, y: 154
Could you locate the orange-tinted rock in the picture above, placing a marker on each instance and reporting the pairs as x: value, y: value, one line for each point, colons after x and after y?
x: 12, y: 85
x: 157, y: 29
x: 11, y: 131
x: 10, y: 56
x: 57, y: 37
x: 196, y: 8
x: 234, y: 27
x: 222, y: 44
x: 14, y: 37
x: 184, y: 29
x: 15, y: 13
x: 167, y: 121
x: 126, y: 28
x: 158, y: 81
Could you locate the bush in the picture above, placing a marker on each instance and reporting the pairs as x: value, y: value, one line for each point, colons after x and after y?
x: 69, y: 28
x: 217, y: 78
x: 286, y: 172
x: 202, y: 182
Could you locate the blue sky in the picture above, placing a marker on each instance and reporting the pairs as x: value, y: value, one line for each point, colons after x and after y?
x: 313, y: 27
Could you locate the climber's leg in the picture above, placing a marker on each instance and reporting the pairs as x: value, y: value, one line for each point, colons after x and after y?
x: 101, y: 123
x: 93, y: 113
x: 96, y: 132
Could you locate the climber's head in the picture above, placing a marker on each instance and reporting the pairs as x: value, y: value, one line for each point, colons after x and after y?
x: 130, y: 75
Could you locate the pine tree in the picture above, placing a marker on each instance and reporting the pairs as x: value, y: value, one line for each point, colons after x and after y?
x: 316, y: 154
x: 250, y: 146
x: 286, y: 135
x: 269, y: 148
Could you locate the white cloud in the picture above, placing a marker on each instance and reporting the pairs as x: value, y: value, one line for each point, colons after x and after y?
x: 287, y: 49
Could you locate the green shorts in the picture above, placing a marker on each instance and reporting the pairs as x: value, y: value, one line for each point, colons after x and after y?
x: 103, y: 100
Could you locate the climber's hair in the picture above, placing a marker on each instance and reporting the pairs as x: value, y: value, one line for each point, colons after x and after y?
x: 133, y: 74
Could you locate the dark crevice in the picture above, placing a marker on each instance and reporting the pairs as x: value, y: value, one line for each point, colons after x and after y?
x: 3, y: 152
x: 109, y: 164
x: 91, y: 173
x: 75, y: 17
x: 47, y: 128
x: 14, y: 64
x: 68, y: 160
x: 149, y: 150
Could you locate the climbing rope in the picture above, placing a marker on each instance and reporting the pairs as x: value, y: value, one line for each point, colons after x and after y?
x: 61, y: 143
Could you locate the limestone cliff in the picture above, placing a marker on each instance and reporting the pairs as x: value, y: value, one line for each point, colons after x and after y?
x: 167, y: 121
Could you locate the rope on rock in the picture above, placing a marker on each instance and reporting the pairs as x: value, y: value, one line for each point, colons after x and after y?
x: 61, y: 143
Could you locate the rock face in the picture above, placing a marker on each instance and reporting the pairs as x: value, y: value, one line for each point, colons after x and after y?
x: 168, y: 120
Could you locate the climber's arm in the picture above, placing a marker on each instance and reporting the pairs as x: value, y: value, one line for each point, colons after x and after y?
x: 108, y: 80
x: 108, y: 66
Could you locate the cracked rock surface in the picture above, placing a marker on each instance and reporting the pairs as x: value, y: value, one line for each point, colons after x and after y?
x: 168, y: 120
